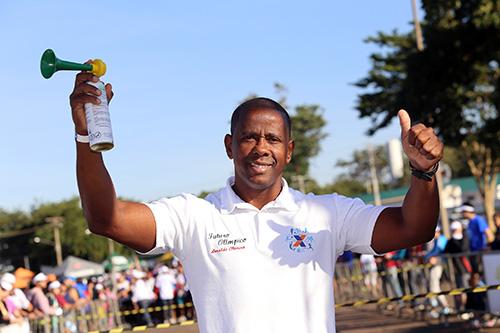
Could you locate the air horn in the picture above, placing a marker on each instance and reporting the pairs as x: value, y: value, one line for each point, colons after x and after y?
x: 51, y: 64
x: 100, y: 134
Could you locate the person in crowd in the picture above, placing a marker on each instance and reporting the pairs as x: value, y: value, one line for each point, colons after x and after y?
x: 480, y: 235
x: 166, y: 282
x: 433, y: 257
x: 18, y: 296
x: 91, y: 294
x: 37, y: 297
x: 182, y: 291
x: 496, y: 242
x: 122, y: 283
x: 150, y: 281
x: 392, y: 266
x: 4, y: 313
x: 71, y: 295
x: 369, y: 269
x: 415, y: 262
x: 58, y: 289
x: 53, y: 290
x: 458, y: 243
x: 143, y: 295
x: 81, y: 287
x: 476, y: 304
x: 413, y: 266
x: 14, y: 313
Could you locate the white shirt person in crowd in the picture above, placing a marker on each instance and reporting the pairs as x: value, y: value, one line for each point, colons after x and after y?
x: 258, y: 255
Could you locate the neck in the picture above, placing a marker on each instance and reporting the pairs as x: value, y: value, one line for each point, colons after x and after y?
x: 257, y: 197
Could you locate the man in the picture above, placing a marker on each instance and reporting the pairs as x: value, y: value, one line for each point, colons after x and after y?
x: 165, y: 282
x: 37, y: 297
x: 142, y: 295
x: 259, y: 256
x: 436, y: 271
x: 496, y: 242
x: 479, y: 232
x: 461, y: 265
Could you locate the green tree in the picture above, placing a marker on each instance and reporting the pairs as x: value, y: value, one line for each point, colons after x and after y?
x: 307, y: 132
x: 15, y: 236
x: 358, y: 167
x: 457, y: 161
x: 452, y: 85
x: 342, y: 185
x: 75, y: 237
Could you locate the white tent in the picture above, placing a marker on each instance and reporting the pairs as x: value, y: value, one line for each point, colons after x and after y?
x: 75, y: 267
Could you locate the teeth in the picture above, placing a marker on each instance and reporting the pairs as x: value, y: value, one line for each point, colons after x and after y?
x: 260, y: 167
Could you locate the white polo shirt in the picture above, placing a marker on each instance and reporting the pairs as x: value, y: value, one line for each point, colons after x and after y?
x: 268, y: 270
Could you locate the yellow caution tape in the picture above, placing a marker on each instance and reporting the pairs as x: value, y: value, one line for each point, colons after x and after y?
x: 452, y: 292
x: 116, y: 330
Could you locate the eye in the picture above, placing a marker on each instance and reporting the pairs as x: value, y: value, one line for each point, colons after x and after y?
x: 273, y: 139
x: 248, y: 138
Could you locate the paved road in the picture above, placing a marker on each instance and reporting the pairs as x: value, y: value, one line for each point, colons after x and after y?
x: 174, y: 329
x: 367, y: 319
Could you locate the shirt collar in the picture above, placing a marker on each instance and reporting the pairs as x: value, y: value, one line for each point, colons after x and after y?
x: 230, y: 201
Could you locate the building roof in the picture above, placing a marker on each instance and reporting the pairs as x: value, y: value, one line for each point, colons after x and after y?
x: 468, y: 184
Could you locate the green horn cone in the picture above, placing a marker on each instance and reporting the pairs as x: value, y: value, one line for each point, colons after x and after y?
x: 50, y: 64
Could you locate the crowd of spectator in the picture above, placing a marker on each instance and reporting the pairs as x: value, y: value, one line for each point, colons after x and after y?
x: 60, y: 301
x: 64, y: 304
x: 455, y: 262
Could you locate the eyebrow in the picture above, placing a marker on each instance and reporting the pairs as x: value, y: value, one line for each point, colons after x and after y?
x: 252, y: 133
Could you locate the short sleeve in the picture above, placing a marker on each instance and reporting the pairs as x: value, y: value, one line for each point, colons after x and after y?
x: 354, y: 222
x: 483, y: 225
x: 172, y: 222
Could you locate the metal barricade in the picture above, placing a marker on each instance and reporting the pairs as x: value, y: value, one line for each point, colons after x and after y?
x: 98, y: 315
x: 449, y: 271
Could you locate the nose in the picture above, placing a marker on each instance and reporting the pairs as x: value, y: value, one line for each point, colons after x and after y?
x: 261, y: 146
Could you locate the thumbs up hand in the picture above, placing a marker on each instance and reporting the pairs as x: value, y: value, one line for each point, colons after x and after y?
x: 420, y: 143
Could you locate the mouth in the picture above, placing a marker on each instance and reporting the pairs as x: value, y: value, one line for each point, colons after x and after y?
x: 260, y: 167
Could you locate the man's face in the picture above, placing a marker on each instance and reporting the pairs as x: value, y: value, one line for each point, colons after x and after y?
x: 261, y: 148
x: 467, y: 215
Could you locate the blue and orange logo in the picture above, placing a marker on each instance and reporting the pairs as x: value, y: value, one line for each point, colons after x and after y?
x: 300, y: 240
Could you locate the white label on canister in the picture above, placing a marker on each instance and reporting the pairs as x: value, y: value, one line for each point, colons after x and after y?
x: 98, y: 119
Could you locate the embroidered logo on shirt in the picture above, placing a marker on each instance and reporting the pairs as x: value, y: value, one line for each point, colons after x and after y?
x: 300, y: 240
x: 225, y: 243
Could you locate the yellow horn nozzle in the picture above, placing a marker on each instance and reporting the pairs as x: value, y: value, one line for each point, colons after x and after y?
x: 98, y: 67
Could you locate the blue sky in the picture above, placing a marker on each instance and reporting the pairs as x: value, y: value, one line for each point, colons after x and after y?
x: 178, y: 70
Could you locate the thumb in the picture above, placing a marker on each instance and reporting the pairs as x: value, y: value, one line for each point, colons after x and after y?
x: 404, y: 122
x: 109, y: 91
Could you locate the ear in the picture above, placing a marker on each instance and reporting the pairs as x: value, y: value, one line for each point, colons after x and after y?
x: 228, y: 142
x: 291, y: 146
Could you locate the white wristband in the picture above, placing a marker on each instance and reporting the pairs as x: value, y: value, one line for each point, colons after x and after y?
x: 81, y: 138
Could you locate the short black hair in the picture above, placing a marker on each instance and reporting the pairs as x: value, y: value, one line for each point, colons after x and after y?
x: 260, y: 103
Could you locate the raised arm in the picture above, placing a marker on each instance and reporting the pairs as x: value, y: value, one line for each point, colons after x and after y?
x: 415, y: 222
x: 129, y: 223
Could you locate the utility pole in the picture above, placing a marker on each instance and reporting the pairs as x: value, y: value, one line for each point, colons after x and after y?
x: 56, y: 222
x: 116, y: 310
x: 416, y: 23
x: 373, y: 173
x: 445, y: 223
